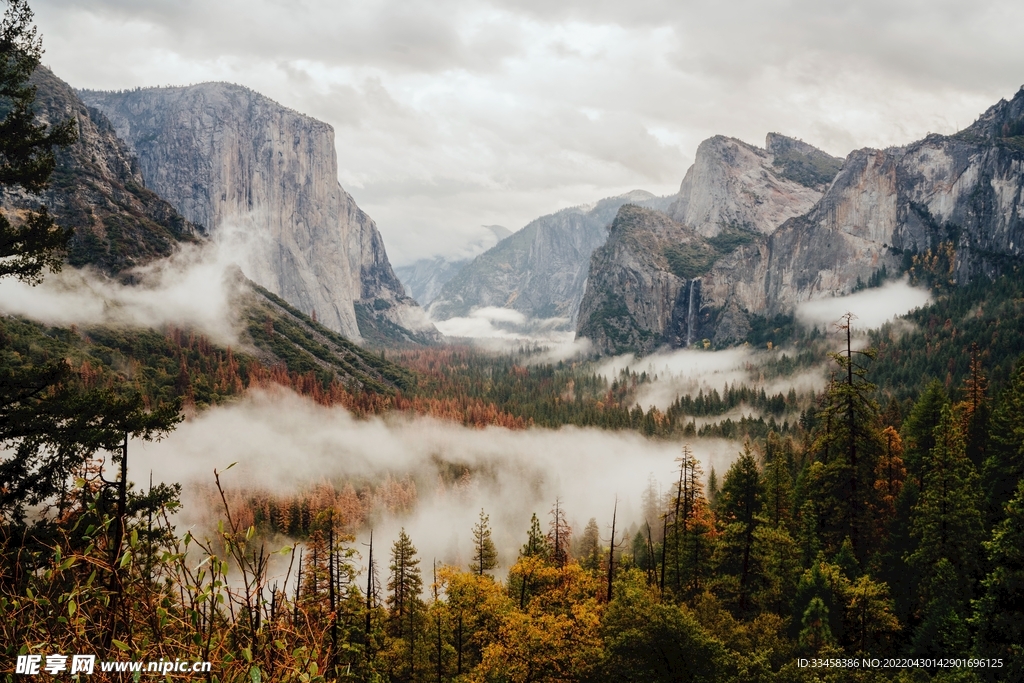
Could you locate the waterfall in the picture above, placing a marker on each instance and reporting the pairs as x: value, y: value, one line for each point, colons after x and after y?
x: 691, y: 311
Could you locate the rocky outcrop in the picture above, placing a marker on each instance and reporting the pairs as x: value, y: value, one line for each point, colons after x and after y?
x: 263, y: 179
x: 541, y: 270
x: 949, y: 209
x: 634, y: 302
x: 97, y: 190
x: 733, y: 184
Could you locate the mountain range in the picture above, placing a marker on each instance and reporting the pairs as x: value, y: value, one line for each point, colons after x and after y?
x: 945, y: 207
x: 751, y: 233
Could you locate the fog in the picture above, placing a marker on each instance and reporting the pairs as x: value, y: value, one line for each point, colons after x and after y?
x: 872, y: 307
x: 504, y: 330
x: 193, y: 287
x: 284, y: 443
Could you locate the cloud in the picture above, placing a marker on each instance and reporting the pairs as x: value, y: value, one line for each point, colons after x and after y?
x: 194, y: 287
x: 283, y: 443
x: 453, y: 114
x: 872, y: 308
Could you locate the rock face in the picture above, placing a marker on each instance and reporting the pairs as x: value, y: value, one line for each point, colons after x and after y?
x: 97, y: 189
x: 947, y: 208
x: 633, y: 300
x: 733, y: 184
x: 541, y: 270
x: 425, y: 278
x: 263, y: 178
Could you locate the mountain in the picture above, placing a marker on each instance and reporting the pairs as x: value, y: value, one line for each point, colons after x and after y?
x: 424, y: 278
x: 97, y: 188
x: 947, y: 209
x: 540, y: 270
x: 735, y: 184
x: 634, y: 301
x: 263, y: 179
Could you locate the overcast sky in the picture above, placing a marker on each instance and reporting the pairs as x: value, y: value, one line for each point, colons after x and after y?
x: 452, y: 114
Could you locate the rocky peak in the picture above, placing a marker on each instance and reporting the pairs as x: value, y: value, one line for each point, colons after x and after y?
x: 734, y: 184
x: 541, y: 270
x: 1005, y: 119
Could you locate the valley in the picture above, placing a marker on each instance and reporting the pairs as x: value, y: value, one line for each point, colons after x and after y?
x: 703, y: 436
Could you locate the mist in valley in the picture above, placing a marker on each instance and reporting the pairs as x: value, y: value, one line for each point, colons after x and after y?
x: 284, y: 444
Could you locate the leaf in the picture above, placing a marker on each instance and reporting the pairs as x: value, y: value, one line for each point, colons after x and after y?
x: 66, y: 564
x: 72, y: 607
x: 255, y: 675
x: 247, y: 653
x: 134, y: 541
x: 125, y: 559
x: 123, y: 647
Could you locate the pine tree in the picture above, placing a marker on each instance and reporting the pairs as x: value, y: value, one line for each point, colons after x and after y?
x: 404, y: 587
x: 847, y: 442
x: 1004, y: 464
x: 999, y: 614
x: 778, y: 492
x: 740, y: 503
x: 536, y: 544
x: 919, y: 428
x: 946, y: 524
x: 34, y: 243
x: 816, y: 632
x: 485, y: 556
x: 590, y: 546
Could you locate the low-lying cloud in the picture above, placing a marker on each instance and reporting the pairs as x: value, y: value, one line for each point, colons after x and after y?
x: 193, y: 287
x: 283, y: 443
x: 504, y: 330
x: 872, y: 307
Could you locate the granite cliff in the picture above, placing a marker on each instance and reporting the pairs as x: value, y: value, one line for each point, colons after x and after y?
x: 541, y: 270
x: 946, y: 208
x: 263, y: 178
x: 634, y: 301
x: 735, y: 184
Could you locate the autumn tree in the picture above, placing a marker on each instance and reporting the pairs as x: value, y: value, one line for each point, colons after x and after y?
x: 559, y: 535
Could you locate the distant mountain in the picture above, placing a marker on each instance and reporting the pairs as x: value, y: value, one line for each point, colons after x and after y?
x: 231, y: 159
x: 540, y: 270
x: 424, y: 278
x: 949, y: 209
